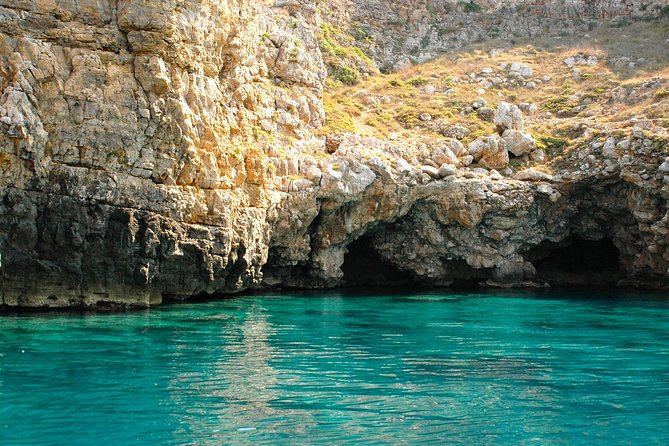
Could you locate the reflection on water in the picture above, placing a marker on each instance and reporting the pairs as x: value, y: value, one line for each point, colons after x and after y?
x: 428, y: 368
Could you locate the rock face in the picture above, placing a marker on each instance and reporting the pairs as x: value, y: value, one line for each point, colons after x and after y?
x: 127, y: 126
x: 156, y: 149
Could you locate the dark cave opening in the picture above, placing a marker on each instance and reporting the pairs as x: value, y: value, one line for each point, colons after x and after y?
x: 364, y: 268
x: 464, y: 277
x: 577, y: 262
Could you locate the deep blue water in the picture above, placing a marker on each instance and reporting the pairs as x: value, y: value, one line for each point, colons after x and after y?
x: 510, y: 368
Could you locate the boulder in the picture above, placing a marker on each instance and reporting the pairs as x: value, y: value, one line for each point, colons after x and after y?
x: 664, y: 167
x: 479, y: 103
x: 609, y: 148
x: 456, y: 131
x: 431, y: 171
x: 508, y: 117
x: 490, y: 152
x: 538, y: 156
x: 456, y: 147
x: 532, y: 175
x: 467, y: 160
x: 518, y: 69
x: 518, y: 143
x: 332, y: 142
x: 528, y: 107
x: 476, y: 147
x: 444, y: 156
x: 430, y: 89
x: 447, y: 170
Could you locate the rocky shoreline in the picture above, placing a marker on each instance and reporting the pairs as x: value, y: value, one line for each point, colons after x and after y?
x: 145, y: 160
x: 605, y: 226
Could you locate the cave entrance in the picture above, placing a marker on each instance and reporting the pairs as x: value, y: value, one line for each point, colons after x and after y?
x: 364, y: 268
x: 464, y: 277
x: 577, y: 262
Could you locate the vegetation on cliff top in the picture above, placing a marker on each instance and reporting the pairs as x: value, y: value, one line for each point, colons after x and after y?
x: 347, y: 64
x: 565, y: 86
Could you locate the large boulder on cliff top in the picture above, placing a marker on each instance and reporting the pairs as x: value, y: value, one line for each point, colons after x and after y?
x: 508, y: 117
x: 490, y: 152
x: 518, y: 143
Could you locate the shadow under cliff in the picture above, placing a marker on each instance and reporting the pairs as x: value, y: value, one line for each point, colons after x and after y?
x: 577, y: 262
x: 364, y: 267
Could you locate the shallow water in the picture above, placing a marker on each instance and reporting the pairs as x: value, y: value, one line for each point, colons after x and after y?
x: 510, y: 368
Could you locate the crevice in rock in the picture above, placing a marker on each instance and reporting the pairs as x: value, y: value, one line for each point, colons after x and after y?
x: 281, y: 271
x: 364, y: 267
x: 577, y: 262
x: 278, y: 274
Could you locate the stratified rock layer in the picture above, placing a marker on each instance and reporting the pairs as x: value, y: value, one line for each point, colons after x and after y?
x: 163, y: 149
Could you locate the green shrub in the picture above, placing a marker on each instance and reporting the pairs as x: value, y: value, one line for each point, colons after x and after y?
x: 471, y: 7
x: 346, y: 63
x: 661, y: 94
x: 664, y: 12
x: 568, y: 88
x: 336, y: 119
x: 516, y: 163
x: 551, y: 145
x: 621, y: 23
x: 346, y: 75
x: 557, y: 104
x: 417, y: 81
x: 425, y: 41
x: 407, y: 117
x: 361, y: 33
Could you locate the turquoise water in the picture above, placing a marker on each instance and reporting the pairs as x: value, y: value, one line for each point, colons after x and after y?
x: 493, y: 369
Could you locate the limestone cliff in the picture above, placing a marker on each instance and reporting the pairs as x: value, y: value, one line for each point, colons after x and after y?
x: 154, y: 149
x: 125, y: 134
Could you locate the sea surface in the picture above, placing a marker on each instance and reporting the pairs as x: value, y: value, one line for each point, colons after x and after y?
x: 510, y: 368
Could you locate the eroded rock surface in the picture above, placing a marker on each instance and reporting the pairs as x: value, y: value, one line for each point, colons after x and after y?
x: 125, y: 126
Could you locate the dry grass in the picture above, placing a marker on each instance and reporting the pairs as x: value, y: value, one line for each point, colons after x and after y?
x: 389, y: 104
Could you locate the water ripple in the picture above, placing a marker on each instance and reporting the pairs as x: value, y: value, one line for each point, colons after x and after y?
x: 423, y: 369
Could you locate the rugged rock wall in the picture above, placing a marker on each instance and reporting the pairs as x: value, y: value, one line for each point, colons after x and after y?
x: 125, y: 129
x: 479, y: 225
x: 161, y: 149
